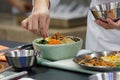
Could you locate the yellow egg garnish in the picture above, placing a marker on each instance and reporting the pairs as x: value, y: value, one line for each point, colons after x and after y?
x: 47, y: 39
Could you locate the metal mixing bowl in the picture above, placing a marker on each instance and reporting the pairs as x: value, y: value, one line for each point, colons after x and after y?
x: 105, y: 76
x: 21, y: 58
x: 103, y: 11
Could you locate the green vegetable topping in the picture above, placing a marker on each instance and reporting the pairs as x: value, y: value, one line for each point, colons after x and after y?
x: 118, y: 65
x: 42, y: 41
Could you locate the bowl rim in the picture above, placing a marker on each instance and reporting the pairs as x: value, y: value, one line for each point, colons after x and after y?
x: 33, y: 42
x: 93, y: 7
x: 20, y: 52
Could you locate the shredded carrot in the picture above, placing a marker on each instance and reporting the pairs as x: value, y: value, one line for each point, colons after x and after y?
x: 54, y: 41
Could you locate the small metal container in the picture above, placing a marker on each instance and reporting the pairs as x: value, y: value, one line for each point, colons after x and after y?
x: 21, y: 58
x: 106, y: 10
x: 105, y: 76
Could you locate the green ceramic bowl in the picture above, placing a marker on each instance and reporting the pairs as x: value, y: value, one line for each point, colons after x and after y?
x: 59, y: 51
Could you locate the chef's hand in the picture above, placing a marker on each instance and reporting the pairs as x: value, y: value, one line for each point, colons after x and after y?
x: 38, y: 21
x: 109, y: 24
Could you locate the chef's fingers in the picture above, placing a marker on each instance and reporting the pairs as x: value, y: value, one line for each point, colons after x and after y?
x: 116, y: 25
x: 35, y: 23
x: 47, y: 26
x: 30, y: 23
x: 103, y: 24
x: 25, y: 23
x: 47, y: 20
x: 41, y: 25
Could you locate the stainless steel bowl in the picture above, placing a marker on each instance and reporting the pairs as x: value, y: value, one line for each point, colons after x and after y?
x: 96, y: 55
x: 103, y: 11
x: 105, y: 76
x: 21, y: 58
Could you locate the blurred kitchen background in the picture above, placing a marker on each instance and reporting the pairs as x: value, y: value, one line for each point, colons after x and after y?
x: 68, y: 18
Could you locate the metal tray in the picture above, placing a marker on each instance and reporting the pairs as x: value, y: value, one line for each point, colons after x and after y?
x: 97, y: 54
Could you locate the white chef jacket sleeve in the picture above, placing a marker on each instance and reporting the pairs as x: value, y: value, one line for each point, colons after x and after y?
x: 53, y: 3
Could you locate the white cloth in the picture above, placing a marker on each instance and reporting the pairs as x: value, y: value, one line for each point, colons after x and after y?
x: 98, y: 38
x: 53, y: 3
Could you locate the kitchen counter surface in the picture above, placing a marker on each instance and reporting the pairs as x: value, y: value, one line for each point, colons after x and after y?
x: 40, y: 72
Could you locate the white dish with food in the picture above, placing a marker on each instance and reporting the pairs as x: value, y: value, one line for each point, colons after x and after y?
x: 58, y: 47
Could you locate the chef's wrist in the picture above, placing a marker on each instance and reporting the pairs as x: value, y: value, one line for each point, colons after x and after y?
x: 40, y: 3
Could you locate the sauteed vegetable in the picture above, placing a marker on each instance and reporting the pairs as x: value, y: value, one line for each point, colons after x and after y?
x: 111, y: 60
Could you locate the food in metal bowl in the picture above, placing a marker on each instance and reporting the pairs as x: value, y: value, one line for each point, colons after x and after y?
x: 106, y: 10
x: 100, y: 61
x: 96, y: 61
x: 111, y: 60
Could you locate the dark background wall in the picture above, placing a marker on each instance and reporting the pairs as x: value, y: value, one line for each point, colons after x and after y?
x: 5, y: 7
